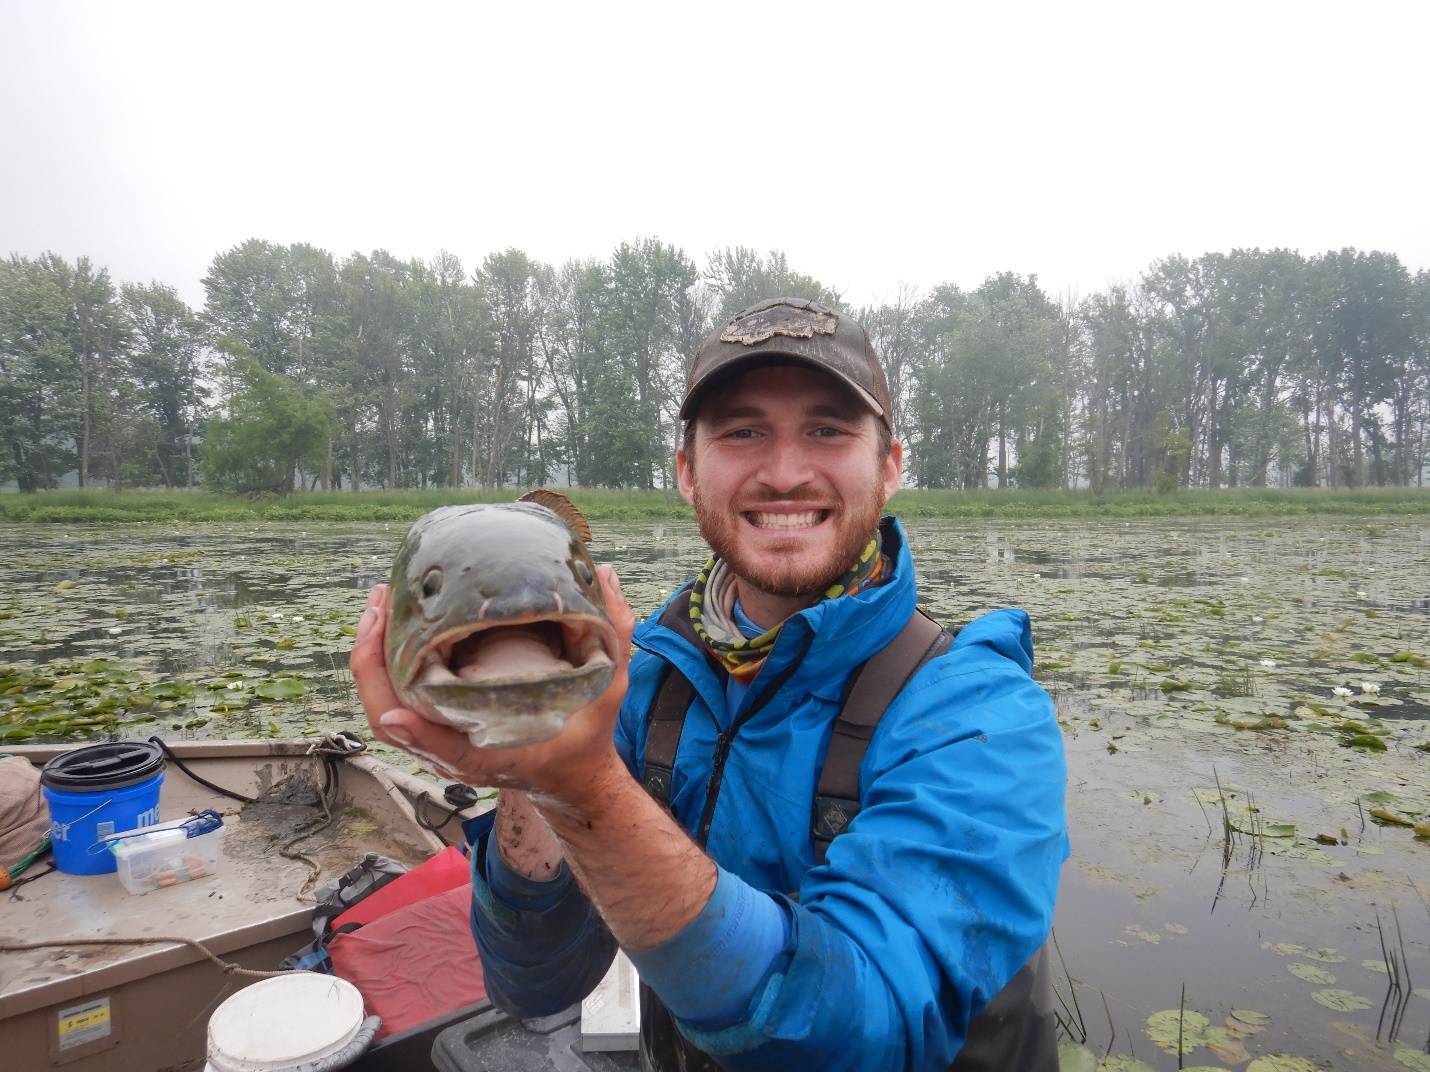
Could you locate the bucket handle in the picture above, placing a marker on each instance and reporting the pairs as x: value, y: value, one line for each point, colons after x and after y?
x: 99, y: 844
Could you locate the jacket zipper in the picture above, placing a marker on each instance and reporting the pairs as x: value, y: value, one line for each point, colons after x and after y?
x: 724, y: 741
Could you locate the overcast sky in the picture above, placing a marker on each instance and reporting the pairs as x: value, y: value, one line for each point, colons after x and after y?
x: 876, y: 143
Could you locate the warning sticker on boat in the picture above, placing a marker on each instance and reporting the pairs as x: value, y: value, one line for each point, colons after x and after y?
x: 80, y: 1024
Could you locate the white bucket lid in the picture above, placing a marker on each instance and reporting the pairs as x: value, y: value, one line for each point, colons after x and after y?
x: 284, y: 1021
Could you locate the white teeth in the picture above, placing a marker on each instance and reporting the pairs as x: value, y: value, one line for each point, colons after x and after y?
x: 785, y: 521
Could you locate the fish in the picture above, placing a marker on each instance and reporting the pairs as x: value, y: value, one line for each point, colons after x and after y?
x: 497, y: 625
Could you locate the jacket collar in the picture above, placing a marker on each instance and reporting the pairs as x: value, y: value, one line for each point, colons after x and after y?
x: 828, y: 639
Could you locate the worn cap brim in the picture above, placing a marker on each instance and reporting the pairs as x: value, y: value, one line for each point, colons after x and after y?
x: 783, y: 353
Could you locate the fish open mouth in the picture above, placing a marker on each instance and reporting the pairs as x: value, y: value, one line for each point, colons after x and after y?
x: 518, y: 653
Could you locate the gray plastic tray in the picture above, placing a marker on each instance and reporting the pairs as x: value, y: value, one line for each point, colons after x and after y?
x: 492, y: 1041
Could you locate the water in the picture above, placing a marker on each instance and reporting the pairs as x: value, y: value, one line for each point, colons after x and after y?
x: 1180, y: 653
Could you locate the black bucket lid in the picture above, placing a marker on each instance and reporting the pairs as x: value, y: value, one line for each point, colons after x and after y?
x: 98, y: 767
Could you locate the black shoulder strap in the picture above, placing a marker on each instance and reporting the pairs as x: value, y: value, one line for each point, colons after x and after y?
x: 667, y: 713
x: 870, y: 692
x: 662, y: 740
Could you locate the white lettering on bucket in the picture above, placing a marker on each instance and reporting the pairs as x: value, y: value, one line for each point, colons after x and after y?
x: 59, y: 831
x: 148, y: 818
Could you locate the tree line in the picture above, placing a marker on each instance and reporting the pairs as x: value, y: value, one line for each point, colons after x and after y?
x: 1252, y: 367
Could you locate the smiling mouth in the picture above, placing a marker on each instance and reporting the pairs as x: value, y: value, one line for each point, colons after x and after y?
x: 805, y: 519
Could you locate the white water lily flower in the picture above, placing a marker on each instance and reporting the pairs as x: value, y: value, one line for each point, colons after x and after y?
x: 1340, y: 690
x: 277, y: 617
x: 115, y: 630
x: 1370, y: 688
x: 1257, y: 619
x: 1270, y: 664
x: 297, y: 617
x: 1037, y: 576
x: 1360, y: 595
x: 234, y: 685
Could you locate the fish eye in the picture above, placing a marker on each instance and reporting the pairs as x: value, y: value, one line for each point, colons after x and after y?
x: 583, y: 572
x: 431, y: 583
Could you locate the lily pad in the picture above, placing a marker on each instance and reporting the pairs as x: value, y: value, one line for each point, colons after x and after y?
x: 1364, y: 741
x: 1282, y: 1062
x: 1227, y: 1046
x: 1166, y: 1027
x: 1121, y: 1062
x: 282, y: 688
x: 1285, y: 949
x: 1377, y: 966
x: 1417, y: 1060
x: 1251, y: 1017
x: 1075, y: 1058
x: 1386, y: 817
x: 1341, y: 1000
x: 1311, y: 974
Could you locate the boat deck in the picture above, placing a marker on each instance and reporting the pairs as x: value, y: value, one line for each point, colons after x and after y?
x: 257, y: 896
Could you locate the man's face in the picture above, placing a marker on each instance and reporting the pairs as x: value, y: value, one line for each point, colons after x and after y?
x: 787, y: 478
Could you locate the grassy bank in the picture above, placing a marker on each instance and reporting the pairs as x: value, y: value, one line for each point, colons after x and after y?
x: 98, y: 507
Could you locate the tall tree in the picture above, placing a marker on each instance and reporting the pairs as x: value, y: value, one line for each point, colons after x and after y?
x: 95, y: 332
x: 643, y: 320
x: 741, y: 277
x: 451, y: 328
x: 572, y: 347
x: 274, y: 427
x: 40, y: 397
x: 166, y: 371
x: 508, y: 283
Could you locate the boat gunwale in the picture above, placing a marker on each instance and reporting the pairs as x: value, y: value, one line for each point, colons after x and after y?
x: 140, y: 963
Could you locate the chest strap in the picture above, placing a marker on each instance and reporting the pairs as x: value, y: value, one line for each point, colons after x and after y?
x: 666, y: 720
x: 872, y: 688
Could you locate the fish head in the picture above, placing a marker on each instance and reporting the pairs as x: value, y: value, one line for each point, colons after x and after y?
x: 497, y: 623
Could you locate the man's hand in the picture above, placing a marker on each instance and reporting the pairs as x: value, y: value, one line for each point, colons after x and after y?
x: 570, y: 769
x: 640, y: 869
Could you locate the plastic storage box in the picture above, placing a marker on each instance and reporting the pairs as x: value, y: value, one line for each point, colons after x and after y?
x: 167, y: 854
x: 491, y: 1041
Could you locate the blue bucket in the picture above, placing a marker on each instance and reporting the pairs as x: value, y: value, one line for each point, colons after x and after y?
x: 96, y: 791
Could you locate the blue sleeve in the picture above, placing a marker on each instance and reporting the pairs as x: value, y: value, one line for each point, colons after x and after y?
x: 542, y: 945
x: 940, y: 890
x: 707, y: 973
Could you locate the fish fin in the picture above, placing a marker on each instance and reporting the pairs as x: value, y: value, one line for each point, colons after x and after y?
x: 563, y: 508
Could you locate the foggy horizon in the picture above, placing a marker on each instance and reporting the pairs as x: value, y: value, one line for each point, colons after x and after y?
x: 1075, y: 146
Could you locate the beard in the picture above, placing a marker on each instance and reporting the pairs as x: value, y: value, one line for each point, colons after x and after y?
x: 855, y: 524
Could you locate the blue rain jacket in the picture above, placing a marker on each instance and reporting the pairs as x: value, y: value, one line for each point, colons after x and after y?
x: 938, y: 892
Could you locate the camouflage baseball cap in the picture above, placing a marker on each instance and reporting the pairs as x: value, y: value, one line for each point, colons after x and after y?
x: 795, y: 330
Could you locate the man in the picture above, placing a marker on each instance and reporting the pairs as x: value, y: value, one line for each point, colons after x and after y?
x: 771, y: 931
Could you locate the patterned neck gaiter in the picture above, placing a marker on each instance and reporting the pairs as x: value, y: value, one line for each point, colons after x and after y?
x: 712, y: 602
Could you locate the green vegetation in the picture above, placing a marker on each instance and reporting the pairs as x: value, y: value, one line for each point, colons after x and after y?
x: 271, y: 430
x: 1251, y: 368
x: 98, y: 507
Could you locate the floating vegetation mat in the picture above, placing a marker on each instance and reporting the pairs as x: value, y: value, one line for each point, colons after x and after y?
x: 1246, y: 707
